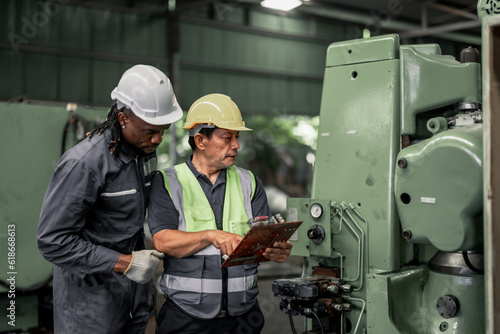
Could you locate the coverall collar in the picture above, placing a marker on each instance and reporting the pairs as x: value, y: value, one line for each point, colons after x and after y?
x: 125, y: 156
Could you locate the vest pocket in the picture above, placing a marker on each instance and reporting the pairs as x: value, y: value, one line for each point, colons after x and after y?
x: 183, y: 280
x: 250, y: 282
x: 239, y: 227
x: 202, y: 218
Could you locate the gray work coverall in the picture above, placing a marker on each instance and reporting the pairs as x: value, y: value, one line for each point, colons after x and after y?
x: 93, y: 211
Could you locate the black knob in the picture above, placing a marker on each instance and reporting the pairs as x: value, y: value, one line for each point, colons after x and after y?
x: 316, y: 233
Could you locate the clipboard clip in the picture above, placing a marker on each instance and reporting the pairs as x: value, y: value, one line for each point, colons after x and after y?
x: 265, y: 220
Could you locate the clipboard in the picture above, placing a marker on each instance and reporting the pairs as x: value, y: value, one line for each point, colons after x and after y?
x: 257, y: 239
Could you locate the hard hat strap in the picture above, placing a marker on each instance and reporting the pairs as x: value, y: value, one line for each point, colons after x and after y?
x: 120, y: 105
x: 194, y: 130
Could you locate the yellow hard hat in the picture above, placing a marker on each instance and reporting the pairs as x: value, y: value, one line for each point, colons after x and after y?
x: 214, y: 109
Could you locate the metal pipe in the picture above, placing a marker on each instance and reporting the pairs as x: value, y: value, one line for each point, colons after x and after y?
x: 341, y: 262
x: 253, y: 30
x: 173, y: 21
x: 340, y: 224
x: 455, y: 11
x: 86, y: 54
x: 359, y: 214
x: 246, y: 71
x: 361, y: 254
x: 390, y: 24
x: 305, y: 265
x: 441, y: 29
x: 423, y: 16
x: 358, y: 275
x: 360, y: 313
x: 161, y: 10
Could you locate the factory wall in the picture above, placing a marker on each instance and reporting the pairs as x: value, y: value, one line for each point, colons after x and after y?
x: 76, y: 51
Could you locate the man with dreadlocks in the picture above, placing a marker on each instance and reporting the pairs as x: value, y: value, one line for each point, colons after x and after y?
x: 92, y: 218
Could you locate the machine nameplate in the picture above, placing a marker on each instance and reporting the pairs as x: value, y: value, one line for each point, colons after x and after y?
x: 293, y: 214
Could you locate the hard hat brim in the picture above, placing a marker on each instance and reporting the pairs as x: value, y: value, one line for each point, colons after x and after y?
x: 174, y: 116
x: 192, y: 131
x: 237, y: 128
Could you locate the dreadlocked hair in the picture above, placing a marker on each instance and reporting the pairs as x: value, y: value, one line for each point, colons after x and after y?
x: 113, y: 124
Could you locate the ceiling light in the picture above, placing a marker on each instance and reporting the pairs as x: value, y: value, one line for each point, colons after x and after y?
x: 281, y: 4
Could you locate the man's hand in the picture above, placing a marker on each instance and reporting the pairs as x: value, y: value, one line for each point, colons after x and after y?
x: 143, y: 265
x: 225, y: 241
x: 279, y: 252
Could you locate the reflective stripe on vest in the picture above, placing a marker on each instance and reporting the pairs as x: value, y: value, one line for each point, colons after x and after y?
x: 207, y: 285
x: 194, y: 283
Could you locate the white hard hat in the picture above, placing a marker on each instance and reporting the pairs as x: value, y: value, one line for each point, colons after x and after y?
x: 148, y: 93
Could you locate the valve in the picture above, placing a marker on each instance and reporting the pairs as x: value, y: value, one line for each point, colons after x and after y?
x: 334, y: 289
x: 342, y: 307
x: 316, y: 233
x: 346, y: 287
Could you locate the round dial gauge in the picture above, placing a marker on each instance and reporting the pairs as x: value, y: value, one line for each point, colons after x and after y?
x: 316, y: 210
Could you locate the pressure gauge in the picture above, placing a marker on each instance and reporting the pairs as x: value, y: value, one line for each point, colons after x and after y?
x: 316, y: 210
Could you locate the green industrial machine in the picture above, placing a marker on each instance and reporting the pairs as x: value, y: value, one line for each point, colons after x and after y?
x: 32, y: 140
x: 393, y: 232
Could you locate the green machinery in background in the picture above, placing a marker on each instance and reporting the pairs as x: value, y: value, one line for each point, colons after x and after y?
x: 393, y: 231
x: 32, y: 140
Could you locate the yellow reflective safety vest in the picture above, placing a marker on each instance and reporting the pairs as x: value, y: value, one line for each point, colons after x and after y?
x: 194, y: 283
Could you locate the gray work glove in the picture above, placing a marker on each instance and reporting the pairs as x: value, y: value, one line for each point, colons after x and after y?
x: 143, y: 266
